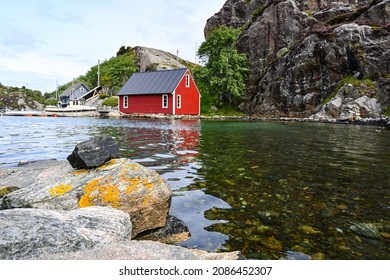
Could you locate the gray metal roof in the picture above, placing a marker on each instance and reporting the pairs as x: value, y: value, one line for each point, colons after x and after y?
x: 72, y: 88
x: 158, y: 82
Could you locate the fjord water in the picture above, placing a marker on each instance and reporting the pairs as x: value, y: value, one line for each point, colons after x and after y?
x: 270, y: 190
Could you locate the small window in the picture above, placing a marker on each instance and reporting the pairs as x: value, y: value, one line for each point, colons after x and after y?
x: 165, y: 101
x: 125, y: 101
x: 187, y: 80
x: 81, y: 89
x: 179, y: 101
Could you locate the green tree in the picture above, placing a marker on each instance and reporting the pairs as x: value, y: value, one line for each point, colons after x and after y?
x: 225, y: 70
x: 113, y: 73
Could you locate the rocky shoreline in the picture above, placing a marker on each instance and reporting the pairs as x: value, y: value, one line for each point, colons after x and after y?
x: 382, y: 121
x: 90, y: 209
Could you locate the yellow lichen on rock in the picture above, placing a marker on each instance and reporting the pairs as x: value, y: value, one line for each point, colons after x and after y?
x: 147, y: 183
x: 146, y: 201
x: 81, y: 171
x: 100, y: 192
x: 107, y: 165
x: 60, y: 190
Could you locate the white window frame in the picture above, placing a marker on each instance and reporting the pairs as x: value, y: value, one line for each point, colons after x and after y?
x: 187, y: 80
x: 165, y: 101
x: 125, y: 101
x: 178, y: 101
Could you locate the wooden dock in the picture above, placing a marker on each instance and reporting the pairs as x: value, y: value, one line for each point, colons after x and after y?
x: 30, y: 114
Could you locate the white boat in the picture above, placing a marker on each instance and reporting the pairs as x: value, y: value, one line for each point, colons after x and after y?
x: 71, y: 109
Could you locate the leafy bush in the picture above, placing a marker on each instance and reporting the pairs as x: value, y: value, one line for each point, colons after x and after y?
x: 111, y: 102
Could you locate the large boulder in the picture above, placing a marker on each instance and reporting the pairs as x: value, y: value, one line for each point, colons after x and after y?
x: 143, y: 250
x: 32, y: 233
x: 120, y: 183
x: 93, y: 153
x: 131, y: 250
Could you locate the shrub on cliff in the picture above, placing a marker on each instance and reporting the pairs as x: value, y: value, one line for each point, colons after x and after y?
x: 225, y: 70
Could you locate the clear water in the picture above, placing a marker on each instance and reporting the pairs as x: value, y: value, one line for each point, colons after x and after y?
x: 270, y: 190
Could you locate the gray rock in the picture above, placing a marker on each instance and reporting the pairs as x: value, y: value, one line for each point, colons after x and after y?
x: 365, y: 229
x: 31, y: 233
x: 120, y: 183
x: 132, y: 250
x: 33, y: 173
x: 149, y: 59
x: 351, y: 103
x: 93, y: 153
x: 236, y: 255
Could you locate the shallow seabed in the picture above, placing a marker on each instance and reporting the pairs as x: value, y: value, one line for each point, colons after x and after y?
x: 269, y: 189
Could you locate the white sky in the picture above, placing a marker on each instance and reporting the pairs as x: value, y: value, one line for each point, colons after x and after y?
x: 45, y: 41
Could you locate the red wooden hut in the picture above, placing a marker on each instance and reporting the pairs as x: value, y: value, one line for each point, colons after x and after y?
x: 171, y: 92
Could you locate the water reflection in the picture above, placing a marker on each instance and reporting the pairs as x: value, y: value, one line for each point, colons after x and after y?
x: 270, y: 190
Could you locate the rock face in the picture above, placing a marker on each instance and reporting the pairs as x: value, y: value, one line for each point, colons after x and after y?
x: 31, y: 233
x: 149, y: 59
x: 120, y: 183
x: 301, y: 52
x: 93, y: 153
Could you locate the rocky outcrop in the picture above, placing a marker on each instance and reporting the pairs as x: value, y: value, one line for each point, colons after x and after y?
x: 149, y: 59
x: 120, y: 183
x: 300, y: 52
x: 32, y: 233
x: 351, y: 102
x: 93, y: 153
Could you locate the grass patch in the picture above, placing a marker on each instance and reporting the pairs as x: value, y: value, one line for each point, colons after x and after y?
x: 211, y: 106
x: 111, y: 102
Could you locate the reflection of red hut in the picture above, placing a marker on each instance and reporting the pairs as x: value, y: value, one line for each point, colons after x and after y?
x: 171, y: 92
x: 187, y: 142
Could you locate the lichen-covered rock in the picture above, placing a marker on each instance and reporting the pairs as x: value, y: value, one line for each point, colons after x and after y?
x: 120, y: 183
x: 6, y: 190
x: 93, y: 153
x: 31, y: 233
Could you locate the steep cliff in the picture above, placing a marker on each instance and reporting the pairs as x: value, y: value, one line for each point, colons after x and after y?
x: 306, y: 54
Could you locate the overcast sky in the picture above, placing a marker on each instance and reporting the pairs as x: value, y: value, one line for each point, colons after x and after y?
x: 45, y: 41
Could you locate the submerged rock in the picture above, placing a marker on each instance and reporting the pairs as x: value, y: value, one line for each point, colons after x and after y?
x: 120, y: 183
x: 365, y: 230
x: 93, y: 153
x: 175, y: 231
x: 31, y: 233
